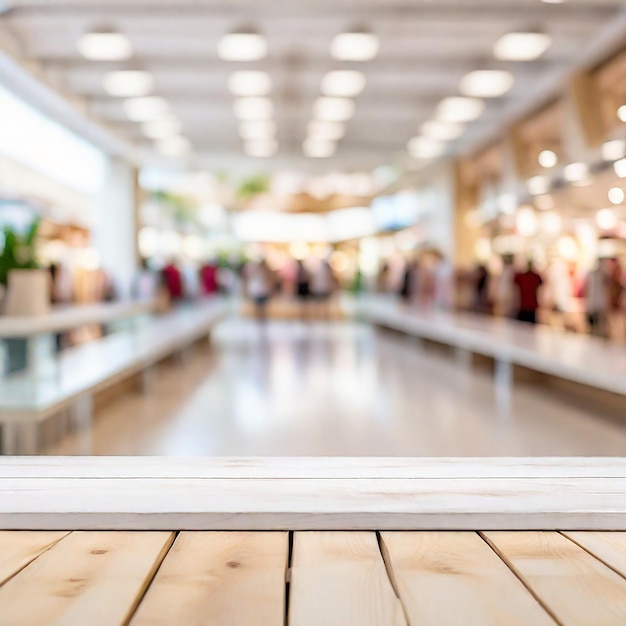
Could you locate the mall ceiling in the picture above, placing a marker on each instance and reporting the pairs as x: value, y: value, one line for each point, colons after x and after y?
x: 426, y: 47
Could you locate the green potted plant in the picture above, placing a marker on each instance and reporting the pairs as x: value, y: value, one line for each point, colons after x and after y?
x: 25, y: 284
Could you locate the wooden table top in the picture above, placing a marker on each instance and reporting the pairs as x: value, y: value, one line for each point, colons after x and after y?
x: 330, y: 578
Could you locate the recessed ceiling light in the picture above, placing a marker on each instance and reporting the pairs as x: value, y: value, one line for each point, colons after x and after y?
x: 326, y: 131
x: 442, y: 131
x: 547, y: 158
x: 620, y: 168
x: 253, y: 108
x: 613, y: 150
x: 521, y: 46
x: 576, y: 172
x: 347, y: 83
x: 146, y: 109
x: 261, y: 149
x: 606, y: 219
x: 318, y: 149
x: 425, y: 148
x: 257, y: 129
x: 551, y: 223
x: 173, y: 146
x: 538, y: 185
x: 621, y: 113
x: 354, y: 46
x: 243, y: 46
x: 486, y: 83
x: 333, y: 109
x: 526, y: 221
x: 128, y: 83
x: 459, y: 110
x: 105, y: 45
x: 616, y: 195
x: 161, y: 128
x: 249, y: 83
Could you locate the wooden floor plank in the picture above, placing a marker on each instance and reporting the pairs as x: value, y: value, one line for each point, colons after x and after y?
x: 89, y: 578
x: 219, y: 578
x: 18, y: 549
x: 339, y: 578
x: 574, y: 585
x: 609, y: 547
x: 431, y: 568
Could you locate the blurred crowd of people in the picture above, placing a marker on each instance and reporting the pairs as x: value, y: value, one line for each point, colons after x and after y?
x: 312, y: 283
x: 560, y: 294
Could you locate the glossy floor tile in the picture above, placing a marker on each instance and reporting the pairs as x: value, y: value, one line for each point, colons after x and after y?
x: 337, y: 388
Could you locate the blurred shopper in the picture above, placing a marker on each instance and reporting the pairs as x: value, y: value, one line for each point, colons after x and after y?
x: 615, y: 294
x: 382, y: 280
x: 145, y: 282
x: 260, y: 286
x: 560, y: 293
x: 289, y: 277
x: 208, y: 278
x: 443, y: 281
x: 528, y: 285
x: 322, y: 287
x: 173, y: 280
x: 596, y: 300
x: 409, y: 279
x: 504, y: 288
x: 481, y: 290
x: 303, y: 288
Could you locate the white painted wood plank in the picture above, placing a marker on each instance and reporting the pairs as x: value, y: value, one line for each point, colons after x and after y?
x: 87, y: 579
x: 311, y: 467
x: 576, y: 587
x: 235, y: 579
x: 285, y: 503
x: 455, y: 578
x: 339, y: 578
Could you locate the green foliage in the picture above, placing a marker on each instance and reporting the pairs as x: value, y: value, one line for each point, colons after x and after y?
x: 253, y: 186
x: 183, y: 209
x: 18, y: 251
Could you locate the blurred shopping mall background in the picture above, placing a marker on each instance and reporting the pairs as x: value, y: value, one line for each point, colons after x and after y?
x: 403, y: 225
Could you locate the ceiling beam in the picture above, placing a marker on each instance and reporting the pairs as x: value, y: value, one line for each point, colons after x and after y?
x: 321, y: 63
x: 519, y: 9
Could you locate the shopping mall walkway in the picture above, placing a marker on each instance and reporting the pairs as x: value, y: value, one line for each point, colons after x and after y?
x: 337, y: 389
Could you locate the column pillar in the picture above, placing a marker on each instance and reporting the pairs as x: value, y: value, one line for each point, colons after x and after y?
x: 115, y: 232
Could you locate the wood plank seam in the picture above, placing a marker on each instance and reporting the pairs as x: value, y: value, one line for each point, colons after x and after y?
x: 160, y: 559
x: 21, y: 569
x: 595, y: 556
x: 288, y: 572
x: 522, y: 580
x: 384, y: 555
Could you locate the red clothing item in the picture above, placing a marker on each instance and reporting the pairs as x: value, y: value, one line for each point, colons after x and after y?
x: 208, y: 277
x: 528, y: 284
x: 173, y: 281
